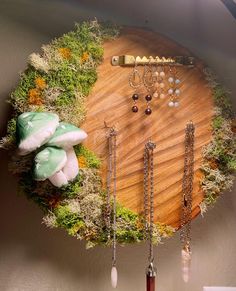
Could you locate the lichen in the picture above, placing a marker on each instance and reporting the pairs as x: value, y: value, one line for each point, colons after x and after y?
x: 219, y: 156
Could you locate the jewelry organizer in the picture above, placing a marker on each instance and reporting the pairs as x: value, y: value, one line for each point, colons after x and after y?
x: 142, y: 160
x: 165, y: 126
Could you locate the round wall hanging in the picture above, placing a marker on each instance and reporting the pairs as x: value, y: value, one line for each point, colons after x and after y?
x: 71, y: 103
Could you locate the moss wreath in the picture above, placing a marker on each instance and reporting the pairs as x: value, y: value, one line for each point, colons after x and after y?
x: 58, y: 80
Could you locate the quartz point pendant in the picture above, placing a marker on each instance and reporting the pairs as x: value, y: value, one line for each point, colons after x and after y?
x: 114, y: 277
x: 186, y: 261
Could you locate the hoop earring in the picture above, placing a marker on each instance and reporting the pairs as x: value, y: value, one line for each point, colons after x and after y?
x: 135, y: 84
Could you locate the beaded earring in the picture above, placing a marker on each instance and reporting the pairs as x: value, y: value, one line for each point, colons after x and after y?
x: 148, y: 82
x: 135, y: 81
x: 159, y: 75
x: 174, y: 90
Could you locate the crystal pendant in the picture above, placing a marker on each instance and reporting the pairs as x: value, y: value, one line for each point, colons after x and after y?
x: 150, y: 277
x: 114, y: 277
x: 186, y: 261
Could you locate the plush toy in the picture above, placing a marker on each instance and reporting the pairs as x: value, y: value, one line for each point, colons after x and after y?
x: 33, y: 129
x: 67, y: 136
x: 57, y: 161
x: 49, y: 164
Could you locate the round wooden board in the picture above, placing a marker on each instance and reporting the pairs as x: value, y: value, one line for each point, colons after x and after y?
x: 110, y: 102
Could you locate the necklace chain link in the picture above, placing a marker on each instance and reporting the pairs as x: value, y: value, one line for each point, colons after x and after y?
x: 149, y: 195
x: 111, y: 179
x: 187, y: 186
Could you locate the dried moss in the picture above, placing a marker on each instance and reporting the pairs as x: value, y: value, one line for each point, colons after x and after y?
x: 219, y: 155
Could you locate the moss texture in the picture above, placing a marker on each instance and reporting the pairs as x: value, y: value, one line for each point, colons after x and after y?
x: 219, y: 156
x: 58, y: 80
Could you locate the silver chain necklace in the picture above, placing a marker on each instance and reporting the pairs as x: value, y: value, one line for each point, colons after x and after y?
x: 186, y: 209
x: 111, y: 179
x: 149, y: 210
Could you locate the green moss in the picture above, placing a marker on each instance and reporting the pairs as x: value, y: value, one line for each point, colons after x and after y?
x: 165, y: 230
x: 19, y: 98
x: 65, y: 218
x: 218, y: 122
x: 77, y: 227
x: 92, y: 161
x: 126, y: 214
x: 221, y: 100
x: 73, y: 189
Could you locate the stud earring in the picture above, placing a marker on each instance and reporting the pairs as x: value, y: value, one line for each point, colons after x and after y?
x: 174, y: 90
x: 135, y: 81
x: 148, y: 82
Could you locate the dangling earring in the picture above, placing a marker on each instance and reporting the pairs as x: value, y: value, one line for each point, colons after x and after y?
x: 159, y: 84
x: 135, y: 81
x: 148, y: 82
x: 111, y: 179
x: 149, y: 211
x: 174, y: 90
x: 186, y: 209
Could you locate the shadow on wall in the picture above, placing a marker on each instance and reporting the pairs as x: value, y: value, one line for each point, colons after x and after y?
x: 231, y: 5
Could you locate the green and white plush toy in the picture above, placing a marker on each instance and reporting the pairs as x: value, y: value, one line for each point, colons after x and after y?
x: 57, y: 161
x: 34, y: 129
x: 67, y: 136
x: 49, y: 164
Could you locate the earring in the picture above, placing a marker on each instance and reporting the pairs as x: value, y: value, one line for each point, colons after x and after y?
x: 149, y: 211
x: 186, y: 209
x: 148, y: 82
x: 111, y: 179
x: 159, y: 75
x: 135, y: 81
x: 174, y: 90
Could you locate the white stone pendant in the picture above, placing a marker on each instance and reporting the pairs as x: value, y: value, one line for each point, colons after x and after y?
x: 186, y: 262
x: 114, y: 277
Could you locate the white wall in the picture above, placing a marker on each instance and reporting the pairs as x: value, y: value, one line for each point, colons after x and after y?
x: 34, y: 258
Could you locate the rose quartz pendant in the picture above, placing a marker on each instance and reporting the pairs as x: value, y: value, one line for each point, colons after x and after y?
x: 114, y: 277
x: 186, y: 261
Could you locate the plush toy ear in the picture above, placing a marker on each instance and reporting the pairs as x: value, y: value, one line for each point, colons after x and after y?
x: 67, y: 136
x: 34, y: 129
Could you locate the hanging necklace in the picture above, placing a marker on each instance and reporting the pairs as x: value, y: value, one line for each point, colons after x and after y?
x: 186, y: 210
x: 149, y: 211
x: 111, y: 179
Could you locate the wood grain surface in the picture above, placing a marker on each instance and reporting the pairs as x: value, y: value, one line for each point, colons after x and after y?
x: 110, y: 102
